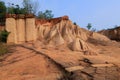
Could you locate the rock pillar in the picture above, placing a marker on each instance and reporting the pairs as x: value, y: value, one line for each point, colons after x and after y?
x: 31, y: 29
x: 11, y: 27
x: 20, y: 30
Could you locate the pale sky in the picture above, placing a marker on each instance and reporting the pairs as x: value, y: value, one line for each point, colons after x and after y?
x: 102, y: 14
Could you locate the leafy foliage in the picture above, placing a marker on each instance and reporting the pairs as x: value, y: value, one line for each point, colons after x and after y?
x: 3, y: 36
x: 30, y: 7
x: 2, y: 13
x: 75, y: 23
x: 2, y: 9
x: 45, y: 15
x: 27, y: 6
x: 89, y: 26
x: 15, y: 9
x: 4, y: 48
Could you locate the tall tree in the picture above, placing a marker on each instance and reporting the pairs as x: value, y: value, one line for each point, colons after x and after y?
x: 10, y: 8
x: 27, y: 6
x: 30, y: 6
x: 2, y: 13
x: 2, y: 9
x: 35, y: 6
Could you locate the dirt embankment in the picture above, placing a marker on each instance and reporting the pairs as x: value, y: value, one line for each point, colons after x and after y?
x: 30, y: 62
x: 61, y: 51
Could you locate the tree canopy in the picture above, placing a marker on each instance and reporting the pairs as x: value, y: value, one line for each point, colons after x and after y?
x: 29, y: 7
x: 45, y: 15
x: 2, y: 9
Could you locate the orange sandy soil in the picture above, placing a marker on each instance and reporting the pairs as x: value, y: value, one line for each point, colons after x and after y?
x: 25, y: 64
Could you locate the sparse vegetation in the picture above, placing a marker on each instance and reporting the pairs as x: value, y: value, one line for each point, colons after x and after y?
x: 45, y: 15
x: 89, y: 26
x: 3, y: 36
x: 15, y: 9
x: 29, y: 7
x: 2, y: 9
x: 75, y: 23
x: 3, y: 48
x: 2, y: 13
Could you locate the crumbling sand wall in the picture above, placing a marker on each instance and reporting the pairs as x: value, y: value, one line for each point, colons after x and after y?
x: 54, y: 32
x: 21, y: 30
x: 25, y: 29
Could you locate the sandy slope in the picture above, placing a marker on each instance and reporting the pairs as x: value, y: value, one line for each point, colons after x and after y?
x: 62, y: 51
x: 26, y: 64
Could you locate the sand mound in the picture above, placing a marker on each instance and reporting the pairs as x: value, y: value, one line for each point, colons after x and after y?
x: 55, y: 32
x: 65, y: 32
x: 30, y: 63
x: 24, y: 64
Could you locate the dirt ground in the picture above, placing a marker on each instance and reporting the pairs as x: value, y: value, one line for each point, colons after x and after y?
x: 36, y: 62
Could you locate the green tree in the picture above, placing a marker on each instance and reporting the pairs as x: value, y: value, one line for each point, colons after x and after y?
x: 45, y: 15
x: 22, y: 11
x: 2, y: 9
x: 89, y: 26
x: 10, y: 8
x: 15, y: 9
x: 35, y: 6
x: 2, y: 13
x: 30, y: 6
x: 27, y: 5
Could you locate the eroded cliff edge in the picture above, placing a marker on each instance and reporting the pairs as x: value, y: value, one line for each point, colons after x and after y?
x: 73, y: 53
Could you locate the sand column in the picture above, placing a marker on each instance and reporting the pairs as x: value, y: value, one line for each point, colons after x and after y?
x: 31, y: 29
x: 20, y: 30
x: 11, y: 27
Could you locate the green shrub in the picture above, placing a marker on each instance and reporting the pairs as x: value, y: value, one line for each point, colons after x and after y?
x: 3, y: 48
x: 3, y: 36
x: 75, y: 23
x: 3, y: 39
x: 89, y: 26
